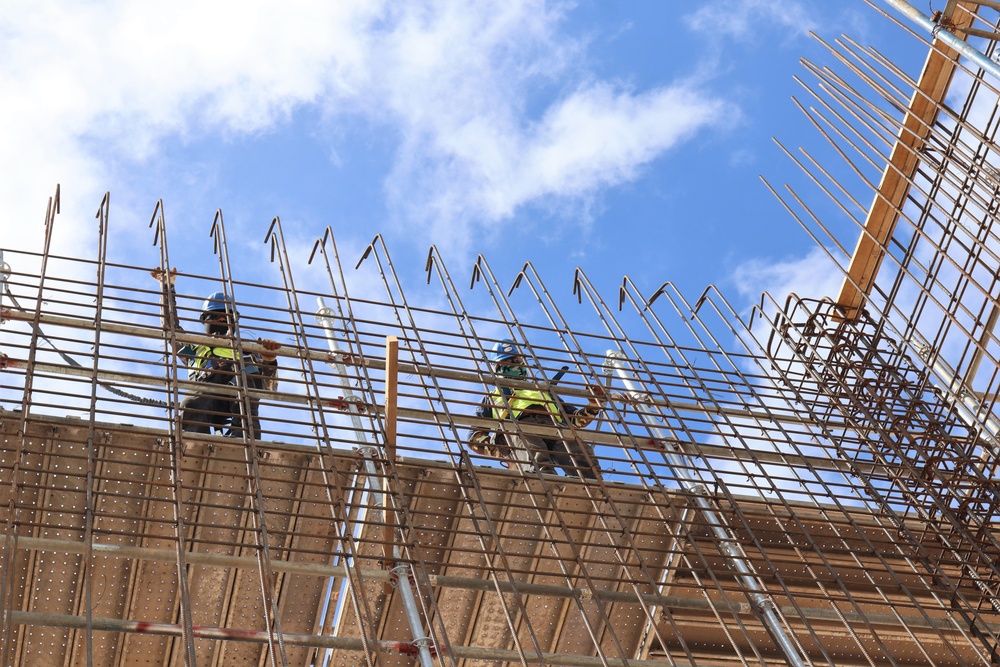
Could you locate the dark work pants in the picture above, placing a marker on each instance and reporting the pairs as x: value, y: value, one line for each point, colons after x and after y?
x: 532, y: 452
x: 205, y: 411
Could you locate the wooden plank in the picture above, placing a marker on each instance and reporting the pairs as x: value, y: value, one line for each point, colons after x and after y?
x: 884, y: 211
x: 54, y: 465
x: 391, y: 394
x: 120, y: 501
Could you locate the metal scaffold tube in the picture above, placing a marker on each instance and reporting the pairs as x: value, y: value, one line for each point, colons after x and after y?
x: 941, y: 32
x: 967, y: 406
x: 403, y: 571
x: 727, y: 544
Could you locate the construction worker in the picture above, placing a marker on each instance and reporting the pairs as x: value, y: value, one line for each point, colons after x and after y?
x: 215, y: 365
x: 530, y: 406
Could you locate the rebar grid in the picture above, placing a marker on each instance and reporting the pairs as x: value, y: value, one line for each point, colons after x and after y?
x: 814, y: 484
x: 525, y: 566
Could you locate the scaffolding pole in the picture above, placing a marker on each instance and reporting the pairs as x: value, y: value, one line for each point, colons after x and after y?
x: 728, y: 545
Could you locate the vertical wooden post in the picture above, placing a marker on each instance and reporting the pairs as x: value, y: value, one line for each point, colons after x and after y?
x: 391, y: 373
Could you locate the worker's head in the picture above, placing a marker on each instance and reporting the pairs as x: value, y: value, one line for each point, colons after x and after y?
x: 507, y: 359
x: 216, y: 314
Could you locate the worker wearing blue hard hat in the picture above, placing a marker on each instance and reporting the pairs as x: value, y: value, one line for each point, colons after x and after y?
x: 215, y: 365
x: 530, y: 452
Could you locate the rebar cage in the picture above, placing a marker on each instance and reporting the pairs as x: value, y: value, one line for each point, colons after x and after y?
x: 812, y: 482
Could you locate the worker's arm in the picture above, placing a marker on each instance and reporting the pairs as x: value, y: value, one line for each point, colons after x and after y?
x: 483, y: 441
x: 168, y: 299
x: 269, y: 363
x: 582, y: 417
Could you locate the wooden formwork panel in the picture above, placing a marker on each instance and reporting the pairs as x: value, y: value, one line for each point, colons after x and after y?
x: 607, y: 541
x: 567, y: 518
x: 49, y: 505
x: 135, y: 507
x: 430, y: 498
x: 121, y: 485
x: 550, y: 532
x: 312, y: 539
x: 217, y: 506
x: 459, y: 609
x: 641, y: 553
x: 852, y: 587
x: 153, y: 586
x: 467, y: 531
x: 490, y: 623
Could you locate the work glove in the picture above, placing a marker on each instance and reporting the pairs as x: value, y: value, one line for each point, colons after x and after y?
x: 164, y: 277
x: 485, y: 443
x: 597, y: 395
x: 480, y: 443
x: 584, y: 416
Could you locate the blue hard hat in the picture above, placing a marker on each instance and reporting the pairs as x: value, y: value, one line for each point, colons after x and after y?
x: 215, y: 303
x: 504, y: 350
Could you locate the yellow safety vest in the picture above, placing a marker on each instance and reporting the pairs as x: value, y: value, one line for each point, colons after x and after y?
x: 201, y: 362
x: 520, y: 400
x: 202, y: 353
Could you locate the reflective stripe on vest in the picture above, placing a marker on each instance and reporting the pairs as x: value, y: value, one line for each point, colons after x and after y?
x: 203, y: 353
x: 520, y: 400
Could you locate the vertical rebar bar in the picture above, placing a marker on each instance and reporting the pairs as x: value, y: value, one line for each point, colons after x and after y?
x: 335, y: 493
x: 7, y: 563
x: 272, y: 616
x: 176, y: 438
x: 88, y: 532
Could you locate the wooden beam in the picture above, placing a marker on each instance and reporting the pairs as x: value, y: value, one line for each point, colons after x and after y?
x: 391, y: 394
x: 391, y: 399
x: 884, y: 211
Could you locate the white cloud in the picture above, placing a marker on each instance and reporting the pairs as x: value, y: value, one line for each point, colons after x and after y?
x: 595, y: 137
x: 600, y: 136
x: 813, y: 277
x: 460, y: 88
x: 90, y: 84
x: 741, y: 19
x: 489, y: 109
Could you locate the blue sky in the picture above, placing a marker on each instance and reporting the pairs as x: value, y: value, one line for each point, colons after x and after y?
x: 620, y: 137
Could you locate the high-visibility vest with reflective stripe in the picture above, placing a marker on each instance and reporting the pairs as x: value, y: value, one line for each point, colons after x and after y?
x: 203, y: 355
x: 520, y: 400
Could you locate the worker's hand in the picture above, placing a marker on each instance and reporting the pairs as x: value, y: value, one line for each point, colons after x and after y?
x: 597, y: 391
x: 583, y: 417
x: 481, y: 443
x: 268, y: 346
x: 164, y: 277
